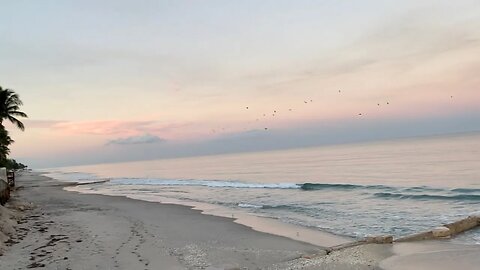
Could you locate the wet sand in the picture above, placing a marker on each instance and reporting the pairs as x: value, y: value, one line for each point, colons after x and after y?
x: 438, y: 255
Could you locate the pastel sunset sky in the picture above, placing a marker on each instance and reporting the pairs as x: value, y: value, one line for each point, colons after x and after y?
x: 115, y: 80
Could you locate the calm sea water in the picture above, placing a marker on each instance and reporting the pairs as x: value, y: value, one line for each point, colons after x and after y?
x: 391, y: 187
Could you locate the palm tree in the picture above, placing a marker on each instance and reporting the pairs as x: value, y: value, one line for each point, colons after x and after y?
x: 9, y: 108
x: 5, y: 142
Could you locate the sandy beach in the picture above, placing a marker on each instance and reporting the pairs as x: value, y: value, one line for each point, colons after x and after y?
x: 57, y: 229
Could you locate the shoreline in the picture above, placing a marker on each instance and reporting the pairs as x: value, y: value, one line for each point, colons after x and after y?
x: 121, y: 233
x: 258, y: 223
x: 64, y: 228
x: 261, y: 223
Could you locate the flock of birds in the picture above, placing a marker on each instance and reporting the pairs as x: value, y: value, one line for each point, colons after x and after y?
x: 274, y: 112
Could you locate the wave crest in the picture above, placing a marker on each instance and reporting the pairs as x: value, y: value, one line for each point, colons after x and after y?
x: 204, y: 183
x: 378, y: 191
x: 461, y: 197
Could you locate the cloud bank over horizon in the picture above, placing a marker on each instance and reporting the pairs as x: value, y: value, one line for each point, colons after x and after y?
x: 141, y: 139
x: 314, y: 135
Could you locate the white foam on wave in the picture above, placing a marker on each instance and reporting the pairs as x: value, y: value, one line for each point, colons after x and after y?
x: 204, y: 183
x: 247, y: 205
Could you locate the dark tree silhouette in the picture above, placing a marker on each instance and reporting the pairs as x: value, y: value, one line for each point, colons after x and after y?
x: 9, y: 108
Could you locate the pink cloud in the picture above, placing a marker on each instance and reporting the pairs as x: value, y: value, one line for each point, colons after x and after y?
x: 110, y: 127
x: 40, y: 123
x: 107, y: 127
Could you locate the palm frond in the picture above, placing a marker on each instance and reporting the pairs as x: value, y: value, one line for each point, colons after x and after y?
x: 18, y: 113
x: 13, y: 108
x: 16, y: 122
x: 13, y: 98
x: 10, y: 107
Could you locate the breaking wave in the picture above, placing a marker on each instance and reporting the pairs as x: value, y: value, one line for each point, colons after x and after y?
x: 461, y: 197
x: 378, y: 191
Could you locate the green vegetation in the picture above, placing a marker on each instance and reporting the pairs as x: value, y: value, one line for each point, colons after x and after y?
x: 12, y: 164
x: 9, y: 110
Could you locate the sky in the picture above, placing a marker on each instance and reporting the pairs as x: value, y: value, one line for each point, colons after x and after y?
x: 117, y: 80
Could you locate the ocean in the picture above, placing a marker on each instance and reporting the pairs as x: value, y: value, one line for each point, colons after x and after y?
x: 396, y: 187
